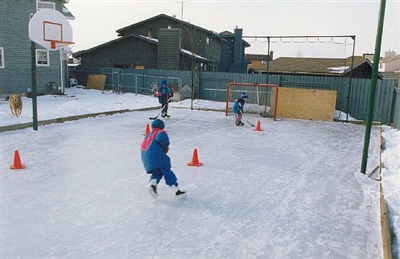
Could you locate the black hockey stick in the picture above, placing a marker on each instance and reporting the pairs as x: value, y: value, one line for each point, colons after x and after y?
x: 250, y: 124
x: 153, y: 118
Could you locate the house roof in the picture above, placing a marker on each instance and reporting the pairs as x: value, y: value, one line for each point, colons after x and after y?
x: 140, y: 37
x: 228, y: 34
x: 365, y: 67
x: 322, y: 66
x: 212, y: 33
x: 390, y: 75
x: 83, y: 52
x: 258, y: 57
x: 67, y: 13
x: 384, y: 60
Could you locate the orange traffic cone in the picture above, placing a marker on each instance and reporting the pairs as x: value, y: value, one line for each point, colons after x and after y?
x: 258, y: 127
x: 195, y: 159
x: 147, y: 130
x: 17, y: 162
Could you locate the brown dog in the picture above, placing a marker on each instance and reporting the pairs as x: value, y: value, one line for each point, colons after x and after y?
x: 15, y: 101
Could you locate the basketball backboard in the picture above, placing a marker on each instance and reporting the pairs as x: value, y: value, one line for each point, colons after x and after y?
x: 50, y: 29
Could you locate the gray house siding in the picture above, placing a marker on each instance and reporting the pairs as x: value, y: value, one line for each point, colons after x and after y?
x: 190, y: 34
x: 16, y: 76
x: 126, y: 52
x: 169, y: 49
x: 149, y: 29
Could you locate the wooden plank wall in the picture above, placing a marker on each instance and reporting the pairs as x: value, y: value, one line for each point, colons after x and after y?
x: 352, y: 95
x: 306, y: 104
x: 96, y: 82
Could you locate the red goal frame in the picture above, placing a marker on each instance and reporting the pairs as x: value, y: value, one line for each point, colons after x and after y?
x: 228, y: 87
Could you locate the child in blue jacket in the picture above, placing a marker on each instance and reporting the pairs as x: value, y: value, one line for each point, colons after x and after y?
x: 165, y: 93
x: 155, y: 160
x: 238, y: 107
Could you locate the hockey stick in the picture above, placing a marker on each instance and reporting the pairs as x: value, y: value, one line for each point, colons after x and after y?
x: 153, y: 118
x: 250, y: 124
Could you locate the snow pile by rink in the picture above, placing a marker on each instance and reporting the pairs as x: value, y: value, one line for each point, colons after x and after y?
x: 391, y: 182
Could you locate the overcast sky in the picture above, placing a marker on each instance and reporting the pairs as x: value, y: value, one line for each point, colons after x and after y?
x: 97, y: 21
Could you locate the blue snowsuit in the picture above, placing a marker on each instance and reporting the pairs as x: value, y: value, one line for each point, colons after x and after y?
x: 238, y: 109
x: 165, y: 92
x: 155, y: 160
x: 238, y: 106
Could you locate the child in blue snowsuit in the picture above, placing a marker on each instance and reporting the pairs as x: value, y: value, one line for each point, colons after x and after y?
x: 238, y: 107
x: 155, y: 160
x: 165, y: 93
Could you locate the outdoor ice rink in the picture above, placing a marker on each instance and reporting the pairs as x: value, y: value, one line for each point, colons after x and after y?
x: 292, y: 190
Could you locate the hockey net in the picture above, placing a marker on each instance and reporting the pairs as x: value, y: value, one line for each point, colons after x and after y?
x: 263, y: 98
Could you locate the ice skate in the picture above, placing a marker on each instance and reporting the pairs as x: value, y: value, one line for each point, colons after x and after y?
x: 153, y: 191
x: 180, y: 194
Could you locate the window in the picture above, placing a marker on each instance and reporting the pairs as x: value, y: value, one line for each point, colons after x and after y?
x: 42, y: 57
x: 1, y: 57
x: 43, y: 5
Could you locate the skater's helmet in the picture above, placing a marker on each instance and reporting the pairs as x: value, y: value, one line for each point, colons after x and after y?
x: 244, y: 96
x: 157, y: 123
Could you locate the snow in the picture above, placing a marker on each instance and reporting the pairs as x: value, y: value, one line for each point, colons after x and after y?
x: 292, y: 190
x: 338, y: 70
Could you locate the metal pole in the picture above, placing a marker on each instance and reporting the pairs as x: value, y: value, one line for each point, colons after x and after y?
x: 192, y: 66
x: 267, y: 77
x: 33, y: 89
x: 191, y: 101
x: 372, y: 90
x: 62, y: 70
x: 351, y: 79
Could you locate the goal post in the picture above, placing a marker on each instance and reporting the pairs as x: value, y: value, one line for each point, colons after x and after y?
x: 256, y: 92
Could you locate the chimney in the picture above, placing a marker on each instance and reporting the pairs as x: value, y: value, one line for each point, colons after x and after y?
x: 238, y: 45
x: 389, y: 54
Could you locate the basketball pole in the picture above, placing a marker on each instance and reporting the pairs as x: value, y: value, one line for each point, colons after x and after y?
x: 33, y: 88
x: 372, y: 89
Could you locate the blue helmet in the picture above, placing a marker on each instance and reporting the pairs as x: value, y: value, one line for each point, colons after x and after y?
x: 157, y: 123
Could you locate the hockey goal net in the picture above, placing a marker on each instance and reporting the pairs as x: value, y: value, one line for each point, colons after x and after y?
x: 263, y: 98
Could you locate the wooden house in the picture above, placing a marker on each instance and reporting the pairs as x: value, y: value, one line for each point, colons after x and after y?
x: 258, y: 62
x: 390, y: 62
x: 307, y: 66
x: 362, y: 70
x: 233, y: 59
x: 362, y: 66
x: 15, y: 49
x: 160, y: 42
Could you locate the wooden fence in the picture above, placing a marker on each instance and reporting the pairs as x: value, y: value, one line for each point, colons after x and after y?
x: 352, y: 94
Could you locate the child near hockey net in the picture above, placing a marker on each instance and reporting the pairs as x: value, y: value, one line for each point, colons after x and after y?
x: 238, y: 107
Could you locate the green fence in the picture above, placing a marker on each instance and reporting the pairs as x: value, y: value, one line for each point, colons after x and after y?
x: 352, y: 94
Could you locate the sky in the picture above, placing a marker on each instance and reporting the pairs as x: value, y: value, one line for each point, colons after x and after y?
x: 292, y: 189
x: 97, y: 21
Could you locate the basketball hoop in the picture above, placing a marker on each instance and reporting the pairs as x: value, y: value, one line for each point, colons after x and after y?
x: 61, y: 45
x: 66, y: 50
x: 50, y: 29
